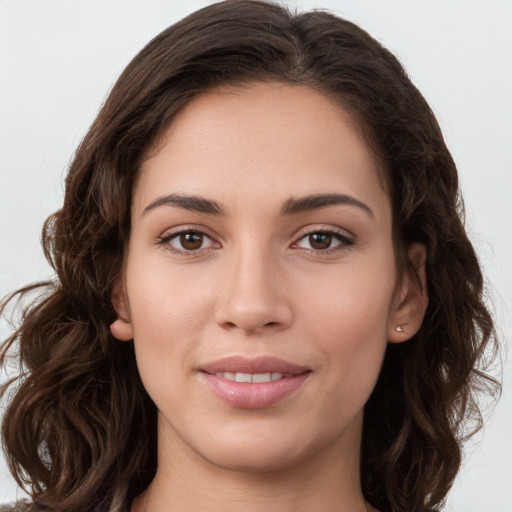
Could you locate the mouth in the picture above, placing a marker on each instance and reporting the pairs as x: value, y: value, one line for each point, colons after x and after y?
x: 263, y: 365
x: 253, y: 383
x: 253, y: 377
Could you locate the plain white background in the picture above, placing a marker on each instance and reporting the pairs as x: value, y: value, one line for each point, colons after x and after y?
x: 58, y: 59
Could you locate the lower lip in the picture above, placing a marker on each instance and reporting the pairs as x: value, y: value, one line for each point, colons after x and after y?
x: 248, y: 395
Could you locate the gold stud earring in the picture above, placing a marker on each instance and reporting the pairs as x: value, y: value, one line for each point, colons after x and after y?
x: 400, y: 327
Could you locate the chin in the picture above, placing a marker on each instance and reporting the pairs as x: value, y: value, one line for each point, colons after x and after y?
x: 265, y: 452
x: 259, y: 460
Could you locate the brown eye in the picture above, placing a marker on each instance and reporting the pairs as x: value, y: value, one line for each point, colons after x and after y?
x: 324, y: 241
x: 188, y: 242
x: 319, y: 241
x: 191, y: 241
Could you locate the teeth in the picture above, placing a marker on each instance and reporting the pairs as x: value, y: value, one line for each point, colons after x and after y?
x: 261, y: 377
x: 252, y: 377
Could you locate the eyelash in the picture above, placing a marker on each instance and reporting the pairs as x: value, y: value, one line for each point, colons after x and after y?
x: 346, y: 241
x: 164, y: 241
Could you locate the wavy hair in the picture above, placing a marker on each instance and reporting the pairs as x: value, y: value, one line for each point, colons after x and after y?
x: 80, y: 430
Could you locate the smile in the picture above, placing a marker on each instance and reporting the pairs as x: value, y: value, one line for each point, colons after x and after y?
x: 253, y: 383
x: 253, y: 377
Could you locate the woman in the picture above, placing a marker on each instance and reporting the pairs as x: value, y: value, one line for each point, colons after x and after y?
x: 265, y: 296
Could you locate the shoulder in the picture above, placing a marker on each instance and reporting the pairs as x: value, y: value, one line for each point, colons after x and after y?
x: 20, y: 506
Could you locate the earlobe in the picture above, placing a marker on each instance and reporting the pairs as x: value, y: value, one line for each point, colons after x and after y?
x: 122, y: 327
x: 412, y: 298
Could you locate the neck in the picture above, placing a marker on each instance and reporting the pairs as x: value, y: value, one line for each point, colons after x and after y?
x: 327, y: 481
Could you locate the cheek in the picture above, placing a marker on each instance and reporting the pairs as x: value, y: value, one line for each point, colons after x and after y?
x: 168, y: 315
x: 166, y: 336
x: 349, y: 320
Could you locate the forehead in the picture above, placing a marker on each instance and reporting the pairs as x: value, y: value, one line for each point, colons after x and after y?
x: 257, y: 139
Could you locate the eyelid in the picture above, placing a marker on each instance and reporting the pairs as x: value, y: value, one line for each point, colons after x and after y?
x: 171, y: 233
x: 346, y: 238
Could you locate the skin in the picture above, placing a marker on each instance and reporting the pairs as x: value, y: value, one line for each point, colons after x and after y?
x: 256, y: 286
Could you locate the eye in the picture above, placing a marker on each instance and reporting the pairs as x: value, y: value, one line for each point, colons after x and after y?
x: 187, y: 241
x: 324, y: 241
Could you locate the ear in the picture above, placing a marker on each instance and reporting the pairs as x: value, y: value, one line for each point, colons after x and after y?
x: 121, y: 328
x: 411, y: 299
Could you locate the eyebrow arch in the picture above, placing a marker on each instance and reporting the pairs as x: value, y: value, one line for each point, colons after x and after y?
x: 192, y: 203
x: 317, y: 201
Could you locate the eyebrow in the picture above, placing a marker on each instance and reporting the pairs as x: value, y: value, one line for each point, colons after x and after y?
x: 291, y: 207
x: 192, y: 203
x: 317, y: 201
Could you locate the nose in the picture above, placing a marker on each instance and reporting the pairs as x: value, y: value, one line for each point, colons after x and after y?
x: 253, y: 294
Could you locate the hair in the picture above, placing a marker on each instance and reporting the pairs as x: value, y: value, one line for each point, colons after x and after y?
x: 80, y: 430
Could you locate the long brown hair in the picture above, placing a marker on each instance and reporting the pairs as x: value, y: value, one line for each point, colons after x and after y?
x: 80, y: 430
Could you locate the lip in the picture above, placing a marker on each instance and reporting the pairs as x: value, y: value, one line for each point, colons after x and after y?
x: 249, y: 395
x: 263, y: 364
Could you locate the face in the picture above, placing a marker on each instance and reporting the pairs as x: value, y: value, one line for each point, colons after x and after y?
x: 260, y: 284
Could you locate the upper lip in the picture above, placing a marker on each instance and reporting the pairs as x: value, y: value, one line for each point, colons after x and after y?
x: 263, y: 364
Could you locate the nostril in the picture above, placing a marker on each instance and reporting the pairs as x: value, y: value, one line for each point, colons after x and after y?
x: 252, y: 315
